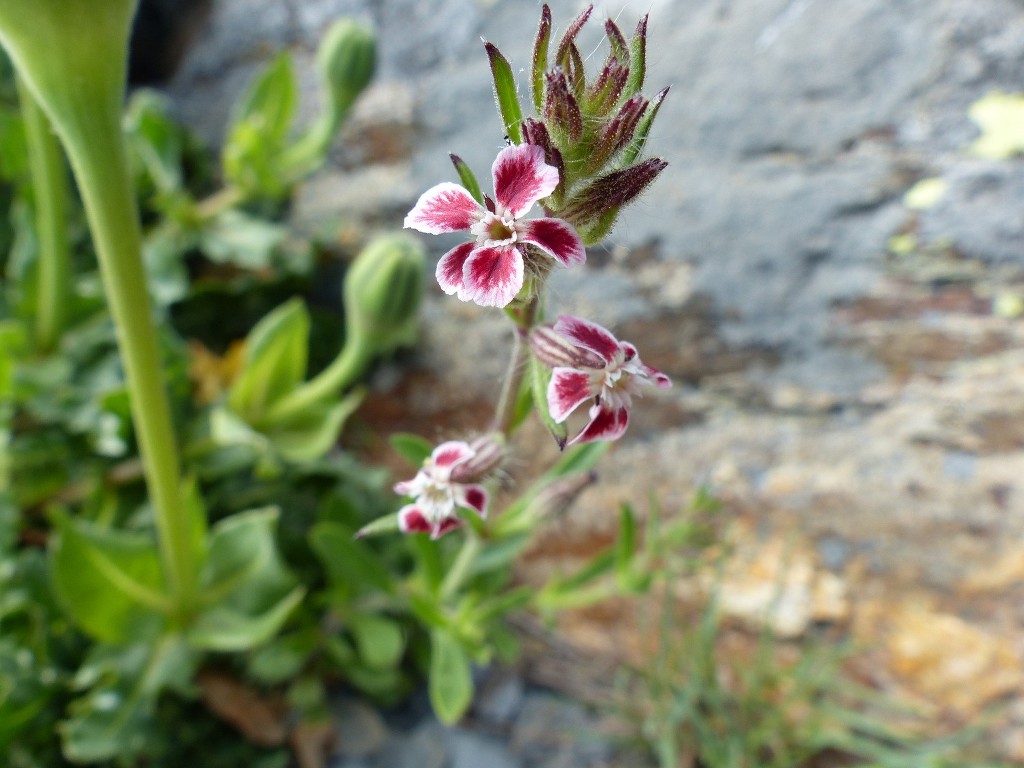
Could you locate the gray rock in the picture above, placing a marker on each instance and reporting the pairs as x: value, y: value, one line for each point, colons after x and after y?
x: 471, y: 750
x: 360, y: 728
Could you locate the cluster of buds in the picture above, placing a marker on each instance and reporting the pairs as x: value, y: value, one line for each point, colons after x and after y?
x: 579, y: 159
x: 592, y: 131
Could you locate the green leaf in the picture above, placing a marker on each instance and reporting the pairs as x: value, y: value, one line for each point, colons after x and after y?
x: 467, y: 178
x: 247, y: 591
x: 110, y: 720
x: 154, y: 141
x: 270, y: 100
x: 109, y: 581
x: 451, y: 683
x: 236, y: 238
x: 410, y: 447
x: 625, y: 544
x: 275, y: 361
x: 385, y: 524
x: 505, y: 92
x: 313, y: 433
x: 349, y: 563
x: 380, y: 640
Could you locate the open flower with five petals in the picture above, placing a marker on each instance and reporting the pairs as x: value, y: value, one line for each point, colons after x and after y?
x: 490, y: 270
x: 589, y: 363
x: 442, y: 486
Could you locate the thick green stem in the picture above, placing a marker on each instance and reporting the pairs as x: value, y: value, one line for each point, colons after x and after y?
x: 97, y: 156
x: 346, y: 368
x: 50, y: 193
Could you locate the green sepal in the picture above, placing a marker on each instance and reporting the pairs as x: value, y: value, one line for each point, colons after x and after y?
x: 412, y: 448
x: 540, y: 377
x: 505, y: 92
x: 110, y: 582
x: 451, y: 682
x: 467, y: 178
x: 642, y: 131
x: 247, y: 592
x: 385, y: 524
x: 275, y: 361
x: 637, y: 60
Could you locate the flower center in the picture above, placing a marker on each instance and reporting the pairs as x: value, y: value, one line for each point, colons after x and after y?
x: 493, y: 230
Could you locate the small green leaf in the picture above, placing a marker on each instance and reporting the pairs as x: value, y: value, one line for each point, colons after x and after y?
x: 451, y: 683
x: 111, y: 720
x: 637, y: 60
x: 236, y: 238
x: 505, y: 92
x: 110, y: 582
x: 313, y: 433
x: 380, y: 640
x: 384, y: 524
x: 275, y: 361
x: 247, y: 591
x: 348, y: 561
x: 154, y: 141
x: 540, y: 58
x: 625, y: 543
x: 467, y: 178
x: 410, y: 447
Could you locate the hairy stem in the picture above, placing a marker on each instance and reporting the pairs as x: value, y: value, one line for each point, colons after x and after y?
x: 505, y: 413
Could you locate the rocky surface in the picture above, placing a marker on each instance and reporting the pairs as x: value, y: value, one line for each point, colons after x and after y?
x: 849, y: 368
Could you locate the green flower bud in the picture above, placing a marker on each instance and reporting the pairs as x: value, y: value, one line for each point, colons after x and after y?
x: 346, y: 61
x: 383, y: 290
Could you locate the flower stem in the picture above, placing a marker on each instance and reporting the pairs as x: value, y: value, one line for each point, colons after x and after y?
x: 96, y: 150
x: 50, y: 193
x: 340, y: 374
x: 505, y: 413
x: 457, y: 574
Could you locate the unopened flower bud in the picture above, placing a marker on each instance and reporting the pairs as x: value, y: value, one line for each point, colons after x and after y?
x: 594, y: 209
x: 556, y: 351
x: 346, y: 60
x: 383, y: 289
x: 488, y: 453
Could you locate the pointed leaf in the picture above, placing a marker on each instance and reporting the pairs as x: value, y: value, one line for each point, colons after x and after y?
x: 248, y: 593
x: 349, y: 563
x: 540, y: 57
x: 637, y: 59
x: 385, y: 524
x: 269, y: 101
x: 379, y: 640
x: 314, y: 432
x: 643, y: 130
x: 625, y: 543
x: 467, y: 178
x: 275, y: 360
x: 505, y: 92
x: 451, y: 684
x: 410, y: 447
x: 110, y: 582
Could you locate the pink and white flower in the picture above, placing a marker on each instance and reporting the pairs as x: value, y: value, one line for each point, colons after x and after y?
x: 589, y: 363
x: 437, y: 491
x: 490, y: 270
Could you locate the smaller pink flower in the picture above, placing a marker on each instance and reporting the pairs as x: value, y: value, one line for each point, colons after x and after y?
x: 437, y: 492
x: 490, y: 270
x: 589, y: 363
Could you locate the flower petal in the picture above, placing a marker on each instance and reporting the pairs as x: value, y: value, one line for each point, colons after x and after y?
x: 492, y: 276
x: 660, y: 379
x: 557, y: 238
x: 453, y: 452
x: 449, y: 267
x: 412, y: 520
x: 588, y: 335
x: 604, y: 424
x: 473, y: 497
x: 444, y: 208
x: 521, y: 178
x: 567, y: 391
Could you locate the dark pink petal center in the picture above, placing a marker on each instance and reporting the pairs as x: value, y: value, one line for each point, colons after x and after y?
x: 492, y: 276
x: 567, y: 390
